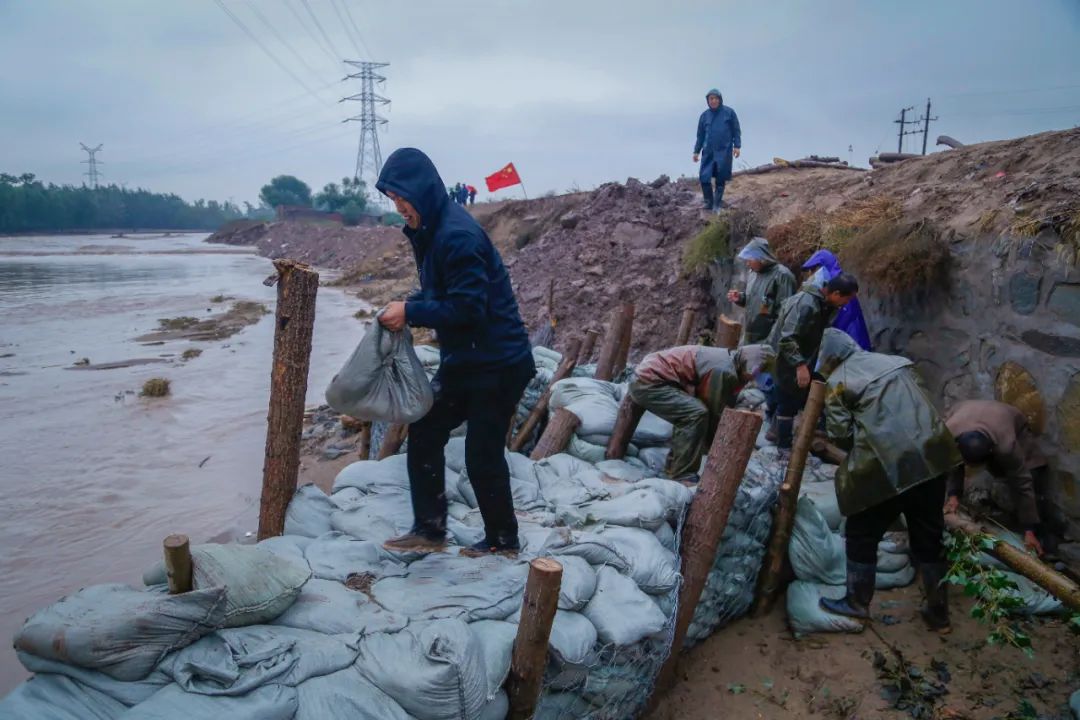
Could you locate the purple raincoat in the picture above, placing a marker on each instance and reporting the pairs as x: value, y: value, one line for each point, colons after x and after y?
x: 849, y: 319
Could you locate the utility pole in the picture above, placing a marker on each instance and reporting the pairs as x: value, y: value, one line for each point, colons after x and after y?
x: 902, y: 121
x: 369, y: 119
x: 92, y: 171
x: 926, y: 125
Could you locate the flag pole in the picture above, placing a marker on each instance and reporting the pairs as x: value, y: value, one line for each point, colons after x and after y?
x: 522, y: 184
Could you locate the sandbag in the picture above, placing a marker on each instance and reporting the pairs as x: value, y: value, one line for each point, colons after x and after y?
x: 309, y: 512
x: 620, y: 611
x: 382, y: 380
x: 654, y: 568
x: 336, y: 556
x: 805, y: 614
x: 270, y: 702
x: 566, y: 480
x: 327, y: 606
x: 346, y: 694
x: 640, y: 508
x: 127, y: 693
x: 824, y: 496
x: 370, y: 476
x: 435, y: 670
x: 496, y: 648
x: 57, y: 697
x: 578, y: 583
x: 121, y: 631
x: 816, y: 552
x: 573, y: 637
x: 1074, y: 704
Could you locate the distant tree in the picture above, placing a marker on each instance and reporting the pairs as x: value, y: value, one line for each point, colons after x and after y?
x: 393, y: 218
x: 286, y: 190
x: 352, y: 213
x: 335, y: 198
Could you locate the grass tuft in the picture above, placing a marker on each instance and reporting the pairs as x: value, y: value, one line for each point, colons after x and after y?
x: 1025, y: 226
x: 708, y: 245
x: 155, y: 387
x: 178, y: 323
x: 190, y: 354
x: 899, y: 258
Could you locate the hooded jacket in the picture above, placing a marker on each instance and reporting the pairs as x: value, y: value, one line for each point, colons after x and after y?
x: 465, y: 293
x: 713, y: 375
x: 849, y: 318
x: 765, y: 292
x: 796, y: 334
x: 877, y: 409
x: 718, y: 131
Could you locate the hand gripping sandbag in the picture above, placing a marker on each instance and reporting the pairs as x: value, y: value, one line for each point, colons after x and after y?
x: 382, y: 380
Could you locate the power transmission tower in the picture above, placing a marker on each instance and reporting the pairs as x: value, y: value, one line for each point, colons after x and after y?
x: 369, y: 119
x: 902, y: 122
x: 92, y: 171
x: 926, y: 125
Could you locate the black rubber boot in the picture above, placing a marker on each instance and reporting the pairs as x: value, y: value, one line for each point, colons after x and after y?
x: 707, y: 195
x: 860, y: 591
x: 505, y: 544
x: 784, y: 429
x: 936, y: 611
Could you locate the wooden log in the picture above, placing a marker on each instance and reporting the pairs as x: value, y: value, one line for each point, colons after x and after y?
x: 827, y: 451
x: 393, y: 440
x: 626, y: 422
x: 685, y: 326
x: 728, y: 332
x: 612, y: 345
x: 363, y: 441
x: 178, y: 563
x: 771, y: 577
x: 891, y: 157
x: 707, y: 518
x: 529, y: 658
x: 774, y: 167
x: 294, y: 321
x: 587, y: 346
x: 1061, y: 587
x: 624, y: 343
x: 949, y: 142
x: 566, y: 366
x: 559, y: 429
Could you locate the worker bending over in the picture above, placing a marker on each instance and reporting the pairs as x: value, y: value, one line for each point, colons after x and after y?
x: 689, y: 386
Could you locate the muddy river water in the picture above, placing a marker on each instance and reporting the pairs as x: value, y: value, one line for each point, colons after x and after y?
x: 93, y: 477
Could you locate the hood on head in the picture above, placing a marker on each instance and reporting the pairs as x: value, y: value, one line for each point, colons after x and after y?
x: 824, y: 259
x: 758, y: 249
x: 411, y: 174
x: 836, y: 347
x: 754, y: 359
x: 714, y: 91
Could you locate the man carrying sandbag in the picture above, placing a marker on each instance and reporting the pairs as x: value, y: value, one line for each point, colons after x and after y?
x: 689, y: 386
x: 899, y: 455
x: 485, y: 358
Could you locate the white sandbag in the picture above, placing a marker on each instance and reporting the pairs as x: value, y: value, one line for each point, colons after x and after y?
x: 888, y: 562
x: 640, y: 508
x: 327, y: 606
x: 1036, y: 600
x: 578, y: 583
x: 566, y: 480
x: 346, y: 694
x: 378, y: 518
x: 654, y: 568
x: 337, y: 556
x: 308, y: 513
x: 889, y: 580
x: 374, y: 475
x: 620, y: 611
x: 1074, y: 704
x: 654, y: 458
x: 382, y: 380
x: 496, y: 647
x: 127, y: 693
x: 816, y: 552
x: 118, y: 630
x: 57, y: 697
x: 584, y: 450
x: 486, y: 588
x: 435, y: 670
x: 259, y: 585
x: 594, y: 401
x: 497, y: 708
x: 290, y: 547
x: 270, y: 702
x: 805, y: 614
x: 595, y: 549
x: 824, y: 496
x: 573, y: 637
x: 621, y: 470
x: 455, y: 454
x: 666, y: 535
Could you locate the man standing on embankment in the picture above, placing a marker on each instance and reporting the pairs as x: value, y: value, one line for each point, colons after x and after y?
x: 485, y: 357
x: 719, y: 138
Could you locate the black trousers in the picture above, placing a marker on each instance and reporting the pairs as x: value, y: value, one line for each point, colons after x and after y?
x: 922, y: 509
x: 486, y: 400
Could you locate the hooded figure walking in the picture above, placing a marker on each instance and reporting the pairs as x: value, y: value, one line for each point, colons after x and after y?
x: 719, y: 138
x: 485, y: 357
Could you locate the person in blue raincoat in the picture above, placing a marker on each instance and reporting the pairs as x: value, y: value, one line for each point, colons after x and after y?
x: 824, y: 266
x: 719, y: 138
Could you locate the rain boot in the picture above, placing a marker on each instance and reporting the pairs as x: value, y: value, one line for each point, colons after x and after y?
x: 936, y: 611
x: 708, y: 195
x: 860, y: 591
x: 785, y: 427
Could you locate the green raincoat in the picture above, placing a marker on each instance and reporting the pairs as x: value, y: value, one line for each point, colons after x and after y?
x: 797, y: 333
x: 877, y: 409
x: 765, y: 293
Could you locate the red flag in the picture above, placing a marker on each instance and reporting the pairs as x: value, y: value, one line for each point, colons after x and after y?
x: 503, y: 178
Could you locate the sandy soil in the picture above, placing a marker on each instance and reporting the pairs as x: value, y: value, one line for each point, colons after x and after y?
x: 756, y: 669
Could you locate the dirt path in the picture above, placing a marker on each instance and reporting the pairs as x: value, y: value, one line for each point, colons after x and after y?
x: 756, y: 669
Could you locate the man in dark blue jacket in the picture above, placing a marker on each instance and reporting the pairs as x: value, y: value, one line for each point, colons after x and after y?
x: 718, y: 139
x: 486, y: 360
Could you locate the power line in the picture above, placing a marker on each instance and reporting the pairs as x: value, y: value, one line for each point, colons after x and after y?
x: 92, y: 171
x: 355, y: 26
x: 348, y: 31
x: 311, y: 33
x: 322, y: 32
x: 262, y: 18
x: 369, y: 119
x: 283, y: 66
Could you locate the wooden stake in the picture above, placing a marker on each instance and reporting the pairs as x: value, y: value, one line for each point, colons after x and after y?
x: 393, y: 440
x: 624, y: 345
x: 566, y: 366
x: 825, y: 449
x: 178, y: 563
x: 771, y: 578
x: 728, y: 332
x: 1027, y: 565
x: 587, y: 346
x: 559, y: 429
x: 626, y: 423
x: 706, y: 520
x: 363, y: 442
x: 685, y: 326
x: 294, y: 321
x: 529, y: 658
x: 613, y: 339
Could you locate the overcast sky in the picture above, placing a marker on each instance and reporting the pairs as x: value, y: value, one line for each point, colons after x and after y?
x: 574, y: 93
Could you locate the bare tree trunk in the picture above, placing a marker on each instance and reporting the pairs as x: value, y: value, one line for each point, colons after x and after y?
x: 178, y: 563
x: 685, y: 326
x: 530, y: 653
x: 566, y: 366
x: 559, y: 430
x: 618, y: 327
x: 728, y: 332
x: 294, y: 322
x: 587, y: 346
x: 626, y: 423
x: 624, y: 344
x: 363, y: 441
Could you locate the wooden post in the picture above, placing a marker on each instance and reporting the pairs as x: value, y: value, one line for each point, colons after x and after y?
x: 683, y: 336
x: 1020, y: 561
x: 178, y: 563
x: 294, y: 321
x: 728, y: 332
x: 624, y: 344
x: 559, y: 429
x: 529, y: 659
x: 771, y: 576
x: 587, y: 346
x: 393, y: 440
x: 566, y: 366
x: 707, y: 518
x: 826, y: 450
x: 609, y: 351
x: 626, y: 423
x: 363, y: 442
